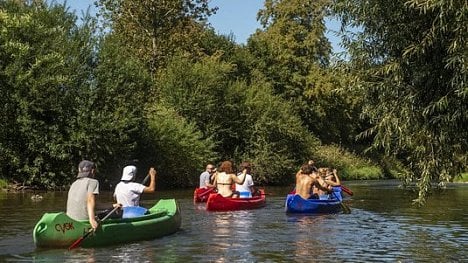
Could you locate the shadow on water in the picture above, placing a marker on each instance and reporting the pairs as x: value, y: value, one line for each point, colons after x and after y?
x: 383, y: 226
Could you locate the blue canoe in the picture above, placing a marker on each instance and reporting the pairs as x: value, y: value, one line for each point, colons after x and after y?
x: 297, y: 204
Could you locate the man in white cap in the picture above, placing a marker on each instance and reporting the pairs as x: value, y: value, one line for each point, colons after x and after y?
x: 81, y: 200
x: 127, y: 192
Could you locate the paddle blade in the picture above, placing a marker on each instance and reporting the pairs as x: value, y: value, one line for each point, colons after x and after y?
x: 347, y: 190
x: 76, y: 243
x: 346, y: 209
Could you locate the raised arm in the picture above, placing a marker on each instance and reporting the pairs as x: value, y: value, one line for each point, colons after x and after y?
x: 241, y: 178
x: 152, y: 185
x: 337, y: 181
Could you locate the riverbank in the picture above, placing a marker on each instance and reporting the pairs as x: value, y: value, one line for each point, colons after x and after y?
x: 463, y: 178
x: 16, y: 187
x: 7, y: 186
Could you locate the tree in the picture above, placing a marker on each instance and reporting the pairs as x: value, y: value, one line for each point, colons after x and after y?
x: 45, y: 58
x: 176, y: 146
x: 293, y: 54
x: 245, y: 122
x: 201, y: 93
x: 275, y: 139
x: 111, y: 119
x: 292, y: 42
x: 156, y: 30
x: 409, y: 59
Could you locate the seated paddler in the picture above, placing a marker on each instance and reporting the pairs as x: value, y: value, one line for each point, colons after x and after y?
x: 306, y: 179
x: 225, y: 177
x: 128, y: 192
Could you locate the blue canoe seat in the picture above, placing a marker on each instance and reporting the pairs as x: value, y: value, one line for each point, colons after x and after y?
x: 133, y: 211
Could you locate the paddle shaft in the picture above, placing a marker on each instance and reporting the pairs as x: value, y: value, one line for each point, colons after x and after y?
x: 146, y: 179
x: 79, y: 240
x: 208, y: 191
x: 346, y: 209
x: 347, y: 190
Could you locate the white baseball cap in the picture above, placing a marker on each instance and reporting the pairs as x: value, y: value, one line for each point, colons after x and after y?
x: 128, y: 173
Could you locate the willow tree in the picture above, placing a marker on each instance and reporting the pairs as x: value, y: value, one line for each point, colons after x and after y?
x: 155, y: 30
x: 409, y: 59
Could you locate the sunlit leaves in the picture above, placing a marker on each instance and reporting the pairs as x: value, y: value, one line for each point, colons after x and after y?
x: 409, y: 59
x: 155, y: 30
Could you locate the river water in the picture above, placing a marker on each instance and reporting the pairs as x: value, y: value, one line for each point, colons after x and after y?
x: 383, y: 227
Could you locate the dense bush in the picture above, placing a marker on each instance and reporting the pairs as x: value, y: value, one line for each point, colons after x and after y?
x: 44, y: 61
x: 176, y: 148
x: 349, y: 165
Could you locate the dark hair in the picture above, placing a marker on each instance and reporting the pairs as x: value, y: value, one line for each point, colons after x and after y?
x: 245, y: 165
x: 307, y: 168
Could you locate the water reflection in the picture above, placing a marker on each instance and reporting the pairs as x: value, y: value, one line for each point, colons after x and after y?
x: 383, y: 226
x: 229, y: 226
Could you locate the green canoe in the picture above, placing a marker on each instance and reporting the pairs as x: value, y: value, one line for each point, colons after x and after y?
x: 60, y: 231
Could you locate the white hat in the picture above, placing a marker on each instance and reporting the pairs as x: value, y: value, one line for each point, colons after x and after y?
x: 128, y: 173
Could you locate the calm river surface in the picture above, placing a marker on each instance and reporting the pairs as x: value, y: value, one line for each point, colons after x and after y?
x: 383, y: 227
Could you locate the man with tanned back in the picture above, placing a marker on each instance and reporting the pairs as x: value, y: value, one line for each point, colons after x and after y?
x: 306, y: 178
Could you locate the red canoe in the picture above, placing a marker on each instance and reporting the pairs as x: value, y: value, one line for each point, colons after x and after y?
x: 200, y: 195
x: 218, y: 203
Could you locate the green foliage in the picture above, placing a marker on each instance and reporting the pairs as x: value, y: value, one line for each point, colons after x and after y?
x: 111, y: 117
x: 293, y: 53
x: 292, y: 42
x: 224, y: 48
x: 64, y: 102
x: 409, y: 62
x: 332, y: 113
x: 275, y: 139
x: 3, y: 183
x: 199, y: 92
x: 246, y: 122
x: 156, y: 30
x: 176, y: 147
x: 43, y: 58
x: 463, y: 177
x: 349, y: 166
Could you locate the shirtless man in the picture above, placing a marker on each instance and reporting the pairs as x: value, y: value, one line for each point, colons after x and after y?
x: 225, y: 177
x: 306, y: 179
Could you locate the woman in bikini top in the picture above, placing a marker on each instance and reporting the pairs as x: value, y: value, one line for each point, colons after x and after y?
x: 225, y: 177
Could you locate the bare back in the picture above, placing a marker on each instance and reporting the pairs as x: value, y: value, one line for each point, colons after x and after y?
x: 304, y: 184
x: 223, y: 182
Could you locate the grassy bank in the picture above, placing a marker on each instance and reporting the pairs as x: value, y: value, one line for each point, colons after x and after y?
x: 3, y: 183
x: 349, y: 165
x: 463, y: 178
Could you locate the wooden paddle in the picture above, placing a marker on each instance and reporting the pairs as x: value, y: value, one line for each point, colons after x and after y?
x: 79, y: 240
x: 347, y: 190
x: 145, y: 180
x: 346, y: 209
x: 206, y: 192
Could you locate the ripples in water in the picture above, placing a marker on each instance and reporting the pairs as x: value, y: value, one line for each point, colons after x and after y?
x: 383, y: 227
